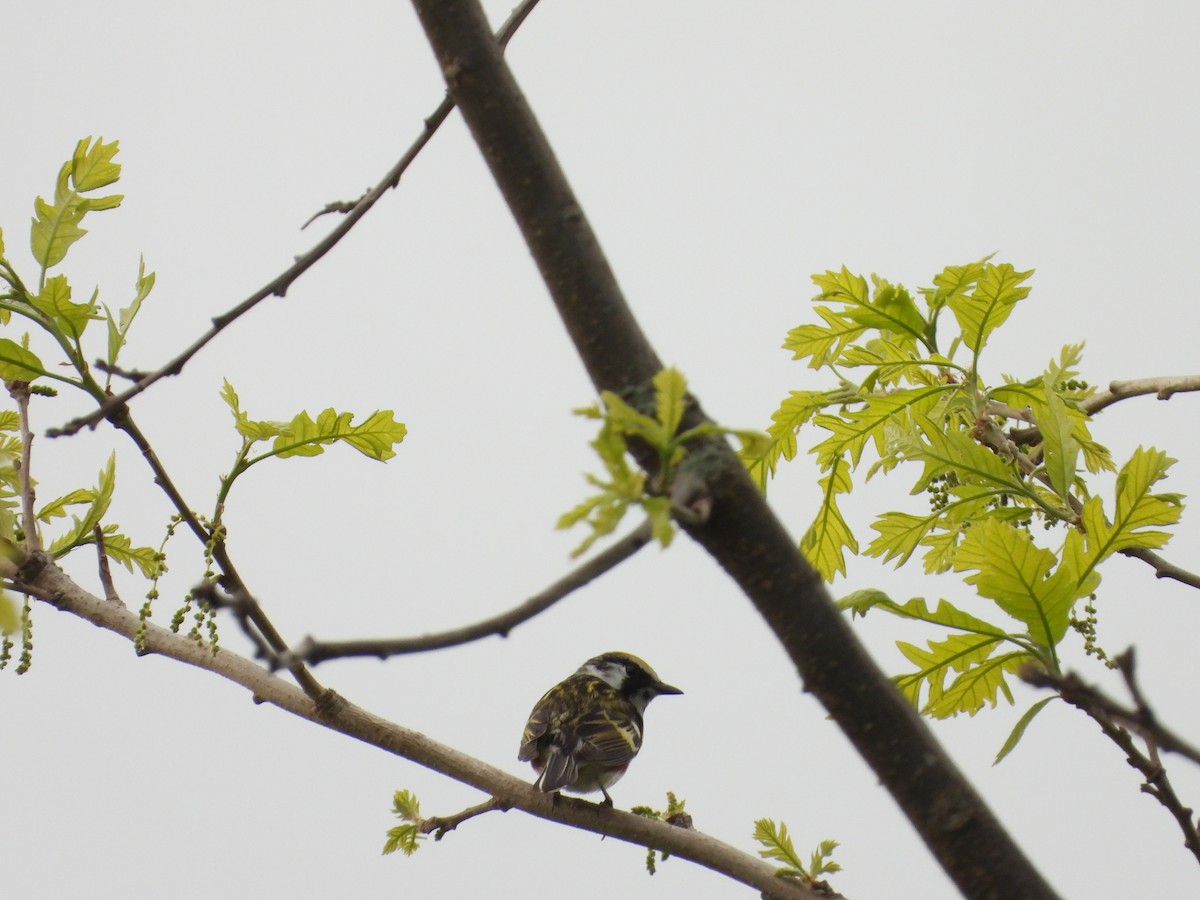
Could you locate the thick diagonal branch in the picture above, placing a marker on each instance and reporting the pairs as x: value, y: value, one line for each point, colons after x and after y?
x: 743, y: 535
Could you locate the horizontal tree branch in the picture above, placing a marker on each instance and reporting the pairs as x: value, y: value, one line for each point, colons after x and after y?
x: 313, y: 651
x: 742, y: 534
x: 1164, y: 387
x: 43, y: 579
x: 1163, y: 568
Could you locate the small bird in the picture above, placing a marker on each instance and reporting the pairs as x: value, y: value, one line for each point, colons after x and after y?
x: 582, y: 735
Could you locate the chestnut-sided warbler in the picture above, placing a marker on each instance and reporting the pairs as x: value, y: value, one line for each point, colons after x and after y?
x: 582, y: 735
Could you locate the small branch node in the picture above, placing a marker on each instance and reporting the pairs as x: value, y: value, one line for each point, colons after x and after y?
x: 110, y: 590
x: 691, y: 499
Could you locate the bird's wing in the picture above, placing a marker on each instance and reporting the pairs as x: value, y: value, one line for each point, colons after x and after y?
x: 535, y: 729
x: 606, y: 739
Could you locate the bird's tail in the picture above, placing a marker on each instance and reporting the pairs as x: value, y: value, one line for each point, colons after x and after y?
x: 560, y: 771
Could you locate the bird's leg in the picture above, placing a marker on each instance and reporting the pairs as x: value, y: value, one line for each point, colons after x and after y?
x: 607, y: 799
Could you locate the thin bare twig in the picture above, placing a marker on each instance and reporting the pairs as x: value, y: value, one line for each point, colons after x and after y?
x: 113, y: 369
x: 440, y: 826
x: 1163, y: 387
x: 314, y: 652
x: 19, y: 391
x: 278, y: 286
x: 691, y: 502
x: 1116, y: 720
x: 433, y: 121
x: 1162, y: 568
x: 106, y: 580
x: 1142, y: 717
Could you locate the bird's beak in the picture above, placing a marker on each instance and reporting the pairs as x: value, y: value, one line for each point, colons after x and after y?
x: 666, y: 689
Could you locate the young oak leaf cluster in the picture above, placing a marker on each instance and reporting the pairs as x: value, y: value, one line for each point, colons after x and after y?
x: 375, y: 437
x: 95, y: 502
x: 901, y: 398
x: 777, y: 845
x: 625, y: 485
x: 55, y: 228
x: 405, y: 837
x: 55, y: 315
x: 52, y: 312
x: 675, y: 814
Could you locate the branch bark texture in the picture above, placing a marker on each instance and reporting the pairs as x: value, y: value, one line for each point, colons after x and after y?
x: 743, y: 535
x: 42, y: 578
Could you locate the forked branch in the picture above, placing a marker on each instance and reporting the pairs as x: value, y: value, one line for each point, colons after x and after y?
x: 1119, y: 722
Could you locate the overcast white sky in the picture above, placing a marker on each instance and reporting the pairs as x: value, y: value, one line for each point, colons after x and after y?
x: 723, y: 155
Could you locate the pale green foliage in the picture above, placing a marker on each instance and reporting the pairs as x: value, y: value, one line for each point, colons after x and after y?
x: 800, y: 406
x: 10, y: 482
x: 829, y: 534
x: 968, y: 657
x: 375, y: 437
x: 18, y: 363
x: 56, y: 225
x: 777, y: 844
x: 604, y: 511
x: 910, y: 402
x: 1018, y: 731
x: 405, y: 837
x: 52, y: 309
x: 96, y: 500
x: 981, y: 311
x: 675, y: 814
x: 10, y: 613
x: 1036, y: 587
x: 625, y: 485
x: 1139, y: 515
x: 118, y: 327
x: 1008, y: 568
x: 82, y: 532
